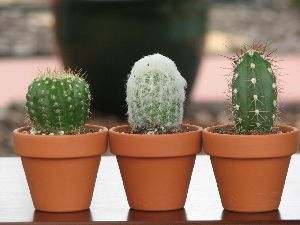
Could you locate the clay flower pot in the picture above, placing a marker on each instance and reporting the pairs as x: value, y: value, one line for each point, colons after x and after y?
x: 61, y: 170
x: 250, y: 170
x: 156, y: 169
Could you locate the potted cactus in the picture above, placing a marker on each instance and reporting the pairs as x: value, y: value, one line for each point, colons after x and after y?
x: 60, y: 154
x: 156, y: 153
x: 251, y: 158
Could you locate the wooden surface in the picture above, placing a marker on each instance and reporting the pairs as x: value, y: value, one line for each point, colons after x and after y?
x: 109, y: 204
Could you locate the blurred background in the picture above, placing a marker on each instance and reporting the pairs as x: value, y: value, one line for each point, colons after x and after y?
x: 105, y: 38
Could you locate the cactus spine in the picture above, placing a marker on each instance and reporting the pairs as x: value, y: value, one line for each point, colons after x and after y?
x: 155, y: 96
x: 254, y: 91
x: 58, y: 102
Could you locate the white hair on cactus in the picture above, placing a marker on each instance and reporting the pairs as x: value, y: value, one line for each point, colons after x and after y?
x: 155, y: 95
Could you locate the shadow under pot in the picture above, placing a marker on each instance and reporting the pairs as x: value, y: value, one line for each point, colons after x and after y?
x: 75, y: 217
x: 61, y: 170
x: 250, y: 170
x: 156, y: 169
x: 163, y: 216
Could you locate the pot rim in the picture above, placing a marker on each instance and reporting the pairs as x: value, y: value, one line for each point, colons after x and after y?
x: 286, y: 128
x: 114, y: 130
x: 250, y: 146
x: 154, y: 146
x: 60, y: 146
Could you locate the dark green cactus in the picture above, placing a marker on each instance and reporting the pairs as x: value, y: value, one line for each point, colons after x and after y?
x: 254, y: 91
x: 58, y: 102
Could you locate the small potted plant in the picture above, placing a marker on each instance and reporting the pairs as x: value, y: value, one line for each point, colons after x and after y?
x: 60, y: 154
x: 156, y: 153
x: 251, y: 158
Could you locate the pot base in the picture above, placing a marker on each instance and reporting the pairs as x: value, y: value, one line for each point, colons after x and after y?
x: 156, y: 184
x: 250, y: 211
x: 250, y: 185
x: 61, y: 185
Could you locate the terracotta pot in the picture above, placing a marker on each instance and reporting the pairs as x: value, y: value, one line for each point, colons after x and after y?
x: 61, y: 170
x: 156, y: 169
x: 250, y: 170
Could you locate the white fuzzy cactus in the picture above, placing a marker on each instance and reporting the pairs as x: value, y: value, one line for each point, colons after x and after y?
x: 155, y: 96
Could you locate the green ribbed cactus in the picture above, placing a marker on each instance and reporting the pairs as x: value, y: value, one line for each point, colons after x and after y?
x: 58, y: 102
x: 155, y: 96
x: 254, y: 91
